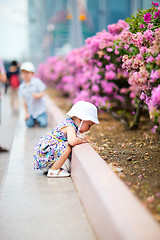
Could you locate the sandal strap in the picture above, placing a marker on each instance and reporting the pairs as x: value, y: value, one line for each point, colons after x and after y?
x: 57, y: 173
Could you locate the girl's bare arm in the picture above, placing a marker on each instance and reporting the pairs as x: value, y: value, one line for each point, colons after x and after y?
x: 72, y: 138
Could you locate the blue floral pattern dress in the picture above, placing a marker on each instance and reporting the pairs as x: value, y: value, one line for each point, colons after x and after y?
x: 50, y: 147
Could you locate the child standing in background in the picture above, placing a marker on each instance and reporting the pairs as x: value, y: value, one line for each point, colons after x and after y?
x: 53, y: 149
x: 32, y: 92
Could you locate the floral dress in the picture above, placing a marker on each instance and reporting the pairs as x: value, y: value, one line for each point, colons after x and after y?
x: 50, y: 147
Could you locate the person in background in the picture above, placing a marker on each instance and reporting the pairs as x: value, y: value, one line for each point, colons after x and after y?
x: 32, y: 91
x: 6, y: 84
x: 3, y: 79
x: 14, y: 82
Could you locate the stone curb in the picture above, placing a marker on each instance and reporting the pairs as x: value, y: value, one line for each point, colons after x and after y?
x: 114, y: 212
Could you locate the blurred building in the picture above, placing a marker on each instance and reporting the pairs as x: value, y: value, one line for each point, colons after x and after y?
x: 101, y: 13
x: 36, y: 25
x: 57, y: 26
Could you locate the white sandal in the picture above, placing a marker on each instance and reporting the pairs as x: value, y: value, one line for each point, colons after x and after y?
x: 57, y: 173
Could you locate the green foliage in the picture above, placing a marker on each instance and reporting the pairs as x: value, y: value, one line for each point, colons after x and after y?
x: 138, y: 19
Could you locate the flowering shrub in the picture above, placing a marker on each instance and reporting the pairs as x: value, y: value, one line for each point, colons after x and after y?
x: 154, y: 106
x: 140, y: 47
x: 145, y: 19
x: 112, y: 65
x: 52, y: 70
x: 105, y: 64
x: 92, y: 72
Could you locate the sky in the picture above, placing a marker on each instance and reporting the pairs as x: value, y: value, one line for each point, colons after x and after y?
x: 13, y: 29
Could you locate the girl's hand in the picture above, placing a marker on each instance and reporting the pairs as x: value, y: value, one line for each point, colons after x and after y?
x: 84, y: 140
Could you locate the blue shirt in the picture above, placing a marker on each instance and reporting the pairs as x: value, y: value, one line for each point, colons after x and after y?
x: 35, y: 107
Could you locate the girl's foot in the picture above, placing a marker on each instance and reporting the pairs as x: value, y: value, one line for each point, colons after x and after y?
x: 57, y: 173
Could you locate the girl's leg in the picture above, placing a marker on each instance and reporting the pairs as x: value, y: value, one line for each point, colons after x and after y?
x: 62, y: 158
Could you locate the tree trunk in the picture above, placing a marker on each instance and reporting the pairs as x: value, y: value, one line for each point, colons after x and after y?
x: 137, y: 116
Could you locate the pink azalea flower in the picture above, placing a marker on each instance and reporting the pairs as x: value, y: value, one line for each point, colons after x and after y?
x: 107, y: 87
x: 147, y: 17
x: 107, y: 57
x: 95, y: 88
x: 110, y: 75
x: 150, y: 59
x: 155, y: 98
x: 143, y: 96
x: 126, y: 46
x: 154, y: 75
x: 158, y: 59
x: 116, y: 52
x: 109, y: 49
x: 150, y: 25
x: 155, y: 4
x: 157, y: 14
x: 143, y: 49
x: 141, y: 26
x: 153, y: 130
x: 148, y: 35
x: 123, y: 90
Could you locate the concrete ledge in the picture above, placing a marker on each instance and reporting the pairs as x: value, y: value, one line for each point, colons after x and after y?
x: 114, y: 212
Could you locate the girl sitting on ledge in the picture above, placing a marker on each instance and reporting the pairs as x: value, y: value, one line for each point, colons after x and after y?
x: 53, y: 149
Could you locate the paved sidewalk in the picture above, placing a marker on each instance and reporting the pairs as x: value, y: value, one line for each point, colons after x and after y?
x: 33, y: 206
x: 7, y: 129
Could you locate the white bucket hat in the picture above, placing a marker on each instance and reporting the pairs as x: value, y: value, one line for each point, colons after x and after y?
x: 84, y: 111
x: 28, y: 66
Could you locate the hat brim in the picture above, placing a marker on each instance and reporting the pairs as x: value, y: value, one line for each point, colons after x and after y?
x: 82, y: 117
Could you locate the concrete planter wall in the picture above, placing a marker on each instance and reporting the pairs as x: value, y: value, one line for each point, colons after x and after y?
x: 114, y: 212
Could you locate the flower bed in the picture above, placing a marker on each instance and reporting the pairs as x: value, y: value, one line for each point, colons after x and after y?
x: 133, y: 155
